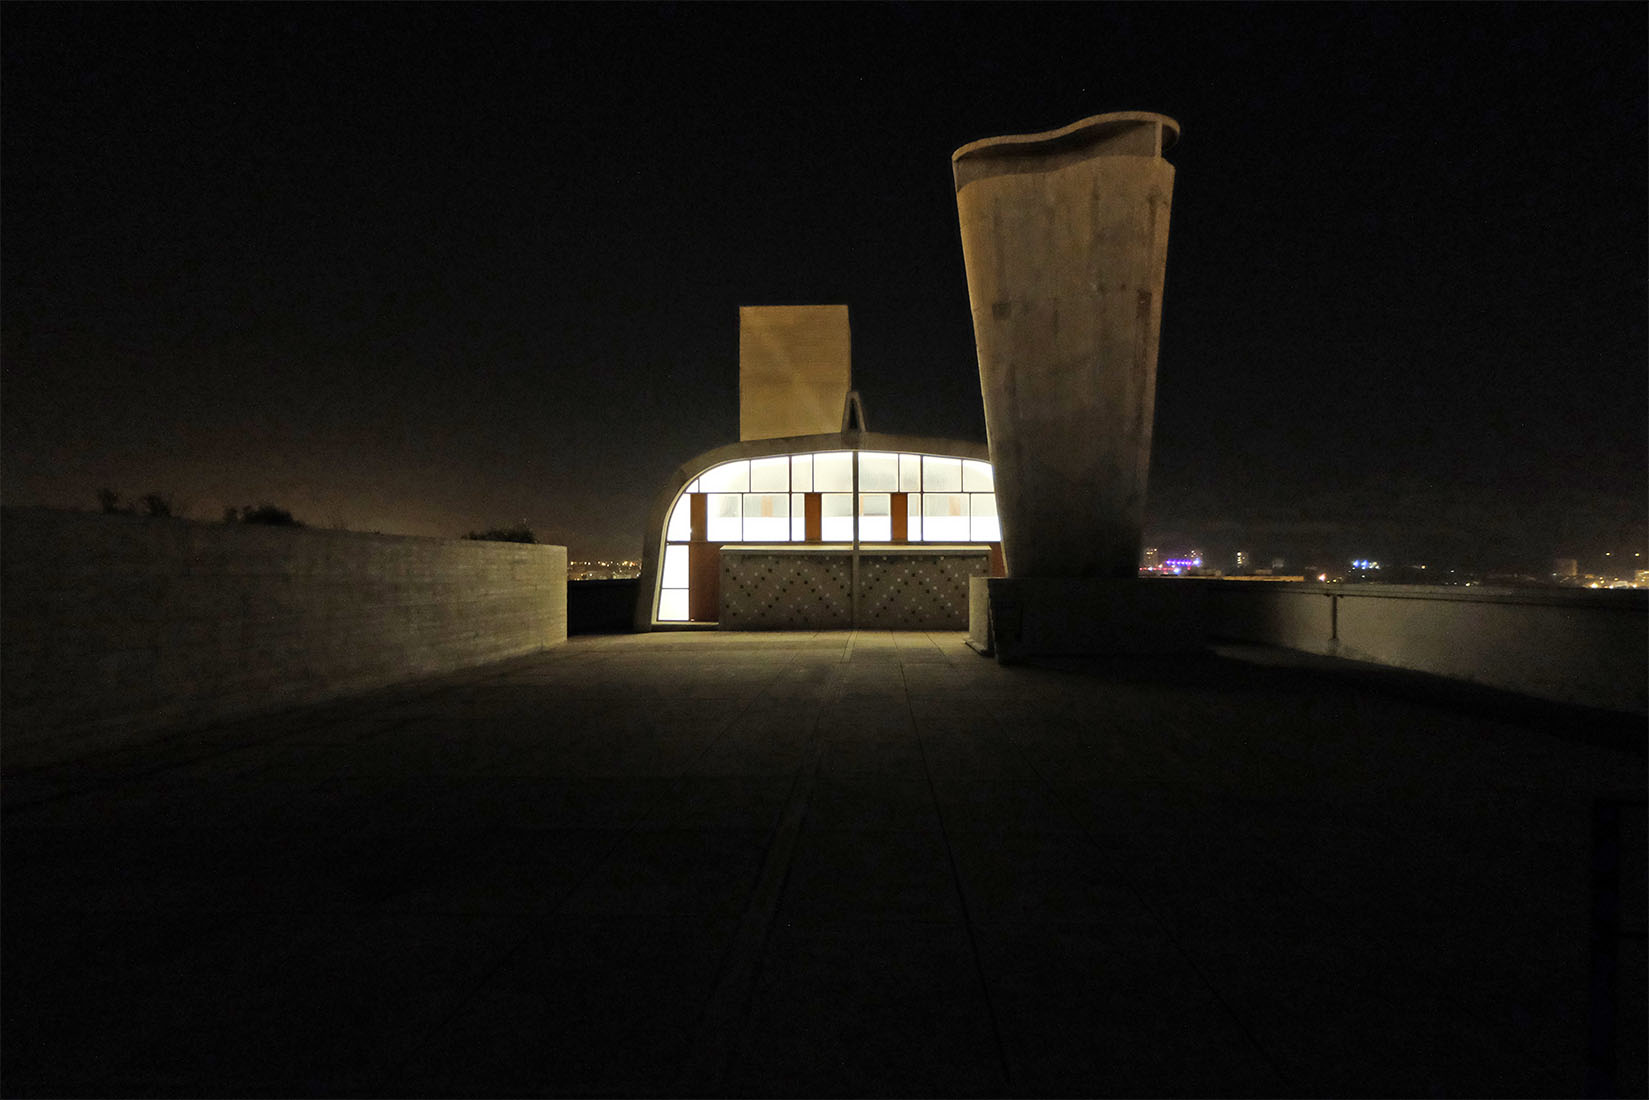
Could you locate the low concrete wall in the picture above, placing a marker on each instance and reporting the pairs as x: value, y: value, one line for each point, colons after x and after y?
x: 111, y: 626
x: 1573, y: 646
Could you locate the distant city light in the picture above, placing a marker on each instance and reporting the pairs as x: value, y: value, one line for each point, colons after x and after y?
x: 1364, y: 563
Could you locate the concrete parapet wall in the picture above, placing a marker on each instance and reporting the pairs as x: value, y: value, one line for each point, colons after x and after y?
x: 111, y: 626
x: 1574, y: 646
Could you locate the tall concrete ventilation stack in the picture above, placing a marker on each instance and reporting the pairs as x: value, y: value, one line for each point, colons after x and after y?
x: 1065, y: 239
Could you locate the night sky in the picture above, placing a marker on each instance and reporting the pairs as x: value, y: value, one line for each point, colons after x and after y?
x: 427, y: 269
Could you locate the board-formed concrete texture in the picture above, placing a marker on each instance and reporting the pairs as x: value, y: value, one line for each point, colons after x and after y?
x: 795, y: 370
x: 1065, y: 240
x: 112, y: 627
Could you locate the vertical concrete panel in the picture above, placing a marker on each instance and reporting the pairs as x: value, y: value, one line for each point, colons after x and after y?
x: 1065, y: 240
x: 795, y: 369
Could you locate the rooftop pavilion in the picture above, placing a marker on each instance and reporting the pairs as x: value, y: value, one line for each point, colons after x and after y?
x: 841, y: 863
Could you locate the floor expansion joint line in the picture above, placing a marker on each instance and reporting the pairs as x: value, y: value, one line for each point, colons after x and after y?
x: 727, y: 1010
x: 961, y: 898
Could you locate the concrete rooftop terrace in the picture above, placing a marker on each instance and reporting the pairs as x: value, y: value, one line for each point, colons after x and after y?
x: 834, y: 864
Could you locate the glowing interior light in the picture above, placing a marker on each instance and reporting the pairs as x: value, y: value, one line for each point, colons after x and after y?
x: 675, y: 567
x: 875, y: 517
x: 910, y: 473
x: 679, y: 528
x: 833, y: 472
x: 977, y: 477
x: 729, y: 477
x: 724, y: 517
x: 836, y: 517
x: 878, y: 473
x: 770, y: 475
x: 767, y: 517
x: 984, y: 523
x: 941, y: 475
x: 944, y: 516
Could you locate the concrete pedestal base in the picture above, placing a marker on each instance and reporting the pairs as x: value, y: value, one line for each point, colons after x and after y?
x: 1012, y: 618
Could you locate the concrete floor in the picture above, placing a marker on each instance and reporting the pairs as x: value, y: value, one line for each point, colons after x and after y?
x: 831, y: 864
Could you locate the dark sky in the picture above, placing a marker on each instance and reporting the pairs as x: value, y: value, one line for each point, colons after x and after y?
x: 425, y: 269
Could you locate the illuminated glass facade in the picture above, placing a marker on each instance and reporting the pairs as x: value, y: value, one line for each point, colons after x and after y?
x: 820, y: 498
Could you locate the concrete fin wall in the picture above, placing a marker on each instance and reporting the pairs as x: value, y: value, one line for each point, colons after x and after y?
x: 111, y: 626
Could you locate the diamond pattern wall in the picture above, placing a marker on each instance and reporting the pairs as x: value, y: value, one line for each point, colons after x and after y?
x: 918, y: 591
x: 787, y: 590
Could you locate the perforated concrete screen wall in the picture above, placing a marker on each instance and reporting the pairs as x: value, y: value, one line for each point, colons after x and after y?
x: 810, y: 499
x: 795, y: 368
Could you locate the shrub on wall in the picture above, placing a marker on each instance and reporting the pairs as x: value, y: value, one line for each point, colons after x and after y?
x: 521, y: 533
x: 156, y: 505
x: 263, y: 513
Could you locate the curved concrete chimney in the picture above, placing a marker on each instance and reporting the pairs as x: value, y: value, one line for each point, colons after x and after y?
x: 1065, y: 238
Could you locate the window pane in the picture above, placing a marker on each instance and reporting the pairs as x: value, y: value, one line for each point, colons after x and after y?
x: 724, y: 522
x: 944, y: 517
x: 914, y: 518
x: 693, y: 487
x: 833, y: 472
x: 767, y: 517
x: 941, y: 475
x: 836, y: 517
x: 985, y: 526
x: 977, y: 477
x: 798, y: 517
x: 878, y: 472
x: 679, y: 528
x: 729, y: 477
x: 875, y: 517
x: 672, y: 605
x: 771, y: 475
x: 675, y: 567
x: 801, y: 473
x: 910, y: 473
